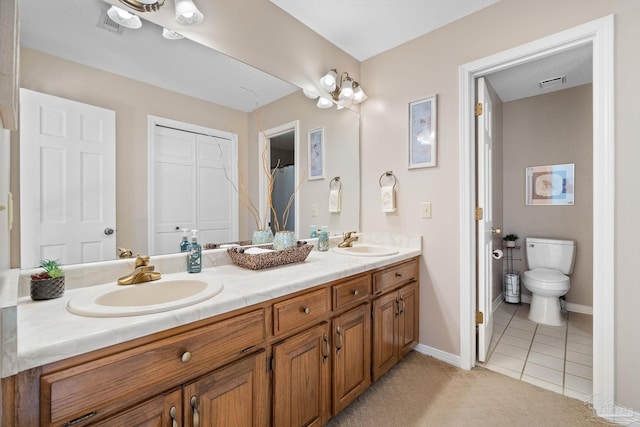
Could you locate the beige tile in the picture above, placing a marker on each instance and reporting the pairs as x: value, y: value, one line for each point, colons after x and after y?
x: 542, y: 384
x: 579, y: 370
x: 580, y: 339
x: 523, y: 324
x: 515, y: 341
x: 580, y: 348
x: 512, y: 350
x: 552, y: 331
x: 546, y: 339
x: 583, y: 359
x: 543, y: 373
x: 548, y: 350
x: 504, y: 371
x: 504, y: 361
x: 583, y: 397
x: 578, y: 384
x: 544, y: 360
x: 519, y: 333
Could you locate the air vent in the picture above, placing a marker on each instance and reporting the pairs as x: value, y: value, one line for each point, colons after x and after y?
x: 552, y: 82
x: 109, y: 24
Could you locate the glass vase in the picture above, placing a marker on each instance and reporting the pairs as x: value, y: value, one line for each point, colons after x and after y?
x: 284, y: 240
x: 260, y: 237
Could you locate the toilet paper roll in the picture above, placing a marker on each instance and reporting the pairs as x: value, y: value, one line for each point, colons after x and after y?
x: 497, y: 254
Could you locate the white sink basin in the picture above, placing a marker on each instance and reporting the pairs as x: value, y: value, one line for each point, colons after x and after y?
x: 113, y: 300
x: 367, y: 250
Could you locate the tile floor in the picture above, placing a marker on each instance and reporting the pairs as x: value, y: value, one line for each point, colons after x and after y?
x: 557, y: 358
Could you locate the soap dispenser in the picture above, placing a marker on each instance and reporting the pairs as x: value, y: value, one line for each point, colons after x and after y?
x: 194, y: 262
x: 184, y: 245
x: 323, y: 239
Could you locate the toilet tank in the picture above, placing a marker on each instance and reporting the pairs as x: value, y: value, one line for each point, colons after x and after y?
x: 551, y: 253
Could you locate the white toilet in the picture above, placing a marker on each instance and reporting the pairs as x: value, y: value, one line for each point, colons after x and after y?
x: 549, y: 263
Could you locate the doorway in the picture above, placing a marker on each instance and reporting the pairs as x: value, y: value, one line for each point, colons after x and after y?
x: 600, y: 34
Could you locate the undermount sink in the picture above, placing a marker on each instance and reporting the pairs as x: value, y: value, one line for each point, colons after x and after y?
x: 113, y: 300
x: 367, y: 250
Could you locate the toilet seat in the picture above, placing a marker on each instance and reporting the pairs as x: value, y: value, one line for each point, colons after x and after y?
x: 546, y: 278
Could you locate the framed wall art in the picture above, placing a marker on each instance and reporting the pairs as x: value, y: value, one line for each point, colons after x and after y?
x: 550, y: 185
x: 423, y: 133
x: 316, y: 154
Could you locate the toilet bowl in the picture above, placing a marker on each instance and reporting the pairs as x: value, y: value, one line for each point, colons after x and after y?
x: 546, y: 287
x: 550, y: 261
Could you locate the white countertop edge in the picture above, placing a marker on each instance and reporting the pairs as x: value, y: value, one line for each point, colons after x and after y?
x: 48, y: 333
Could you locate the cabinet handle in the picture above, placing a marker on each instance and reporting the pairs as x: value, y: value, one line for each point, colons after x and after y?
x: 196, y: 414
x: 355, y: 293
x: 339, y: 343
x: 325, y: 352
x: 398, y: 274
x: 172, y: 414
x: 186, y: 356
x: 397, y: 313
x: 306, y: 310
x: 403, y: 306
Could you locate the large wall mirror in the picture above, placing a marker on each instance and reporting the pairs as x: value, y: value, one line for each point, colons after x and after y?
x: 68, y: 50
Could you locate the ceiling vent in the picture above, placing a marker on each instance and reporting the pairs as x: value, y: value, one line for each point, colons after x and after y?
x: 109, y: 24
x: 552, y: 82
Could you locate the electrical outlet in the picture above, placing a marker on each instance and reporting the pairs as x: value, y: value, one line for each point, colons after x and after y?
x: 314, y: 210
x: 425, y: 209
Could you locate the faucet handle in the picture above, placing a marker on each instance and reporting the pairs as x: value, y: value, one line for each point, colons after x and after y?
x: 348, y: 234
x: 142, y: 260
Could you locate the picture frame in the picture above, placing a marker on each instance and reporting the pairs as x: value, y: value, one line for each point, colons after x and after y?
x: 550, y: 185
x: 316, y: 154
x: 423, y: 141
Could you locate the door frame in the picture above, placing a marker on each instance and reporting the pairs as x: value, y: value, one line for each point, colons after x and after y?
x: 600, y: 33
x: 152, y: 121
x: 264, y: 142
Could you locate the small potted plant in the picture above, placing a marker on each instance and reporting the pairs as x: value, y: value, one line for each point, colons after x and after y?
x: 48, y: 284
x: 510, y: 240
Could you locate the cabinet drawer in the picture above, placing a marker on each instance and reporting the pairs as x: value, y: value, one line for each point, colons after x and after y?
x: 106, y: 385
x: 395, y: 276
x: 301, y: 310
x: 351, y: 291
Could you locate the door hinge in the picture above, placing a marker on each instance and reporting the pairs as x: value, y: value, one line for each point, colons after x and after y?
x: 269, y: 363
x: 479, y: 215
x: 479, y: 318
x: 478, y: 109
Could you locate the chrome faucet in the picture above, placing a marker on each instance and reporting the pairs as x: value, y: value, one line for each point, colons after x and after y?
x: 347, y: 240
x: 143, y: 272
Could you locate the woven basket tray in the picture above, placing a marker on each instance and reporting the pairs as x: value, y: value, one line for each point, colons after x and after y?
x: 270, y: 259
x: 47, y: 288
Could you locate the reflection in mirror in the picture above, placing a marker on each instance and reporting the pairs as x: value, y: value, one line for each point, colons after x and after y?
x: 137, y: 73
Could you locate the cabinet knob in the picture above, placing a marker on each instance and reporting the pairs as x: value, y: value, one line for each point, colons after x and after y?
x: 355, y: 293
x: 186, y: 356
x: 398, y: 274
x: 306, y: 310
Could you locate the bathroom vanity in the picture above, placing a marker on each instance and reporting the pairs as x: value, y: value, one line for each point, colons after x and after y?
x: 286, y: 346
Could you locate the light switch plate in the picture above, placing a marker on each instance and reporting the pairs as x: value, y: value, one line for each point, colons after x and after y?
x: 425, y: 209
x: 314, y: 210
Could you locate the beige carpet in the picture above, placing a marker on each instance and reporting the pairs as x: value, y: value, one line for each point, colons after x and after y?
x: 423, y: 391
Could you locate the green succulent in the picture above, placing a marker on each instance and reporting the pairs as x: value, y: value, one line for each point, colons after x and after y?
x: 51, y: 270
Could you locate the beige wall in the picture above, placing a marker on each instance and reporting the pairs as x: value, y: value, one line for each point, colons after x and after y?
x: 550, y: 129
x: 132, y: 101
x: 341, y: 142
x: 429, y: 65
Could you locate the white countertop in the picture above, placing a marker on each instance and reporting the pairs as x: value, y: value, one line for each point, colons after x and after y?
x: 47, y: 332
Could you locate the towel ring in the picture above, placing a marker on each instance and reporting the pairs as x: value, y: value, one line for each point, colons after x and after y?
x: 389, y: 174
x: 336, y: 179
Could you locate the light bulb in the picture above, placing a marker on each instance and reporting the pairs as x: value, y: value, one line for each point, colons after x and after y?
x: 346, y: 90
x: 358, y: 94
x: 187, y: 13
x: 328, y: 81
x: 324, y: 103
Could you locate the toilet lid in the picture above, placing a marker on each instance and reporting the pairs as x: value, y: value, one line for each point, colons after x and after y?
x: 546, y: 275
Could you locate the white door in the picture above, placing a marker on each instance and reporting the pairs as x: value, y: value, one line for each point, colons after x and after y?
x: 484, y: 227
x: 67, y: 180
x: 193, y: 181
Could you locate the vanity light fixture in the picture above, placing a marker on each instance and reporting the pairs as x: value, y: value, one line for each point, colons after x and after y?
x: 144, y: 5
x: 343, y: 89
x: 124, y: 18
x: 187, y: 13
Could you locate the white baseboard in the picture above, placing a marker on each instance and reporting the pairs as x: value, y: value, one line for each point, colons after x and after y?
x: 449, y: 358
x: 575, y: 308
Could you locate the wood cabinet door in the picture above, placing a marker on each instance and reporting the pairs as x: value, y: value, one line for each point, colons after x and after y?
x: 161, y: 411
x: 408, y: 319
x: 301, y: 378
x: 351, y: 355
x: 385, y: 336
x: 235, y: 395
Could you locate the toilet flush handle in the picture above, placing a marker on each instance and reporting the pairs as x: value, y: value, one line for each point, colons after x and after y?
x: 496, y: 231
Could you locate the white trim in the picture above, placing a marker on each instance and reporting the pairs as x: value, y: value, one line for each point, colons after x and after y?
x: 600, y: 33
x: 152, y: 121
x: 449, y: 358
x: 497, y: 302
x: 262, y: 182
